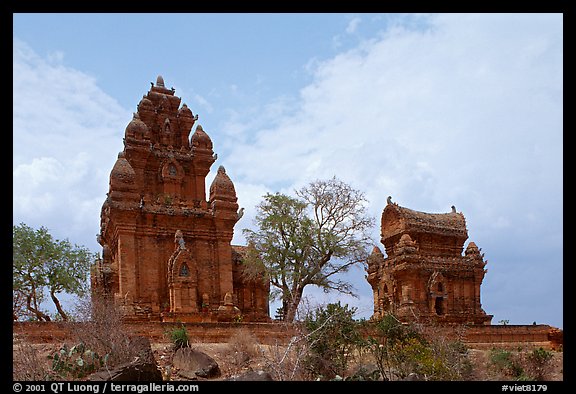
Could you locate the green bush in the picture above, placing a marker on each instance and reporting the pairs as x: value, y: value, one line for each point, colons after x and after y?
x: 522, y: 365
x: 504, y: 362
x: 538, y: 363
x: 386, y: 345
x: 76, y: 362
x: 179, y: 337
x: 332, y: 336
x: 400, y: 350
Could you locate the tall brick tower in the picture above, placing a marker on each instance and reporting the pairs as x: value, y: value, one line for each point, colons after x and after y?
x: 425, y: 276
x: 167, y: 253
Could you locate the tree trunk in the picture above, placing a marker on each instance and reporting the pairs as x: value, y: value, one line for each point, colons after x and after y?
x: 58, y: 306
x: 41, y: 316
x: 292, y: 306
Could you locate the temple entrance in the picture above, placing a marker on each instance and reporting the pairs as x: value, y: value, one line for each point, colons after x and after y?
x: 439, y: 305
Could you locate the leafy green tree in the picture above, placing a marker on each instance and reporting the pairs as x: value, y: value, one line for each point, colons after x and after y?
x: 308, y: 240
x: 42, y: 263
x: 389, y: 336
x: 403, y: 349
x: 333, y: 335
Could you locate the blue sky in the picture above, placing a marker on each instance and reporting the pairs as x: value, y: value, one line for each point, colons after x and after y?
x: 432, y: 109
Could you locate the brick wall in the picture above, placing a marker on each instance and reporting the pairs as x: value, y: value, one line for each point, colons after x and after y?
x: 266, y: 333
x: 541, y: 334
x: 271, y: 333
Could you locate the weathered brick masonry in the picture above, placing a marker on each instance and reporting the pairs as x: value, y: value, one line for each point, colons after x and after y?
x: 272, y: 333
x: 166, y: 250
x: 425, y: 276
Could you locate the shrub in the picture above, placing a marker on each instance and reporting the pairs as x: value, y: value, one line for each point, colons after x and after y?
x: 101, y: 331
x: 333, y: 335
x: 386, y: 345
x: 27, y: 364
x: 179, y: 337
x: 506, y: 363
x: 243, y: 347
x: 99, y: 340
x: 538, y: 363
x: 400, y: 350
x: 76, y: 362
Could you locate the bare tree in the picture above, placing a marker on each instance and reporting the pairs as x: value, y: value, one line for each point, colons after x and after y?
x: 309, y: 240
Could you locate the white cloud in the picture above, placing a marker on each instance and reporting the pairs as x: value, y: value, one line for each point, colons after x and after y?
x: 249, y: 195
x: 66, y: 135
x: 413, y: 106
x: 467, y: 111
x: 435, y: 111
x: 203, y: 103
x: 353, y: 25
x: 41, y: 170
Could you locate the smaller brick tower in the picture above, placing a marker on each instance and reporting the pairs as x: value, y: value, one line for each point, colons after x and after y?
x: 425, y: 276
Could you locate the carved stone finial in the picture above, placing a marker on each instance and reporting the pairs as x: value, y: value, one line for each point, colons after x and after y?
x: 473, y: 251
x: 205, y: 300
x: 179, y: 240
x: 406, y: 245
x: 160, y: 81
x: 228, y: 299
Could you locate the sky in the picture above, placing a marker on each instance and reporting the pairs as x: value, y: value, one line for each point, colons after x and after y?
x: 434, y: 110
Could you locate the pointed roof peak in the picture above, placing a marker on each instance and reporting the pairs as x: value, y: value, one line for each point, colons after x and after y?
x: 222, y: 187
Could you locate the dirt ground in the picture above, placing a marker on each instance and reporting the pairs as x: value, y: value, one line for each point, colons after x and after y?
x: 240, y: 356
x: 226, y: 355
x: 482, y: 372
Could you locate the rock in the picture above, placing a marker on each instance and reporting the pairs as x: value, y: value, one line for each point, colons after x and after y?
x: 134, y: 371
x: 412, y: 377
x: 186, y: 374
x: 365, y: 372
x: 142, y: 369
x: 193, y: 363
x: 255, y: 376
x: 142, y: 347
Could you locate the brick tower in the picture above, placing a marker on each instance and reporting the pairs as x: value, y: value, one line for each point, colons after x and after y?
x: 425, y: 276
x: 167, y: 253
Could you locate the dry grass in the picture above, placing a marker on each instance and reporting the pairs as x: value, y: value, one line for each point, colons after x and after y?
x: 286, y: 363
x: 99, y: 330
x: 102, y: 331
x: 243, y: 349
x: 28, y: 361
